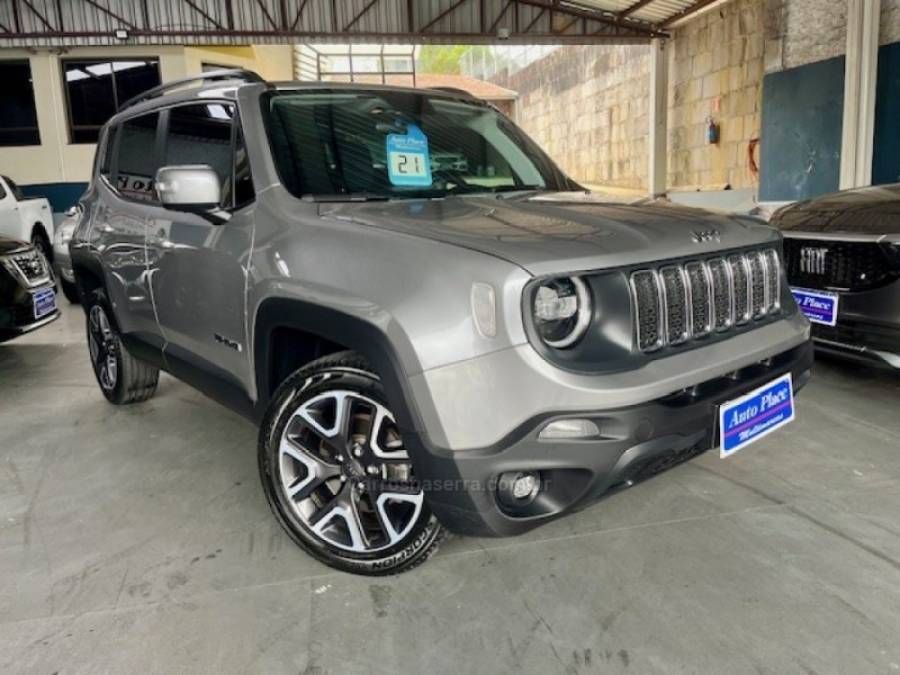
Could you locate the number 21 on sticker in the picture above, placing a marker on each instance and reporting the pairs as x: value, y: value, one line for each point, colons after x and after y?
x: 408, y: 163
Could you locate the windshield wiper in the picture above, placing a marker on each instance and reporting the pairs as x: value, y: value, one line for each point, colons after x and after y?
x: 348, y: 197
x: 517, y: 188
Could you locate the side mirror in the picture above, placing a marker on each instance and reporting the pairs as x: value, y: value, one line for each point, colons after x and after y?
x: 192, y: 187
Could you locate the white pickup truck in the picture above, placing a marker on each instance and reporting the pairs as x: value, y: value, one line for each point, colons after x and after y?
x: 25, y: 219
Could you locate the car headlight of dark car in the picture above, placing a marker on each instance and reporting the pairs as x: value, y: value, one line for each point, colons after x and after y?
x: 893, y: 251
x: 562, y: 311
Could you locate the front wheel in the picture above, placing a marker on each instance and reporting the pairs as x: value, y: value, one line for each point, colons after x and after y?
x: 41, y: 243
x: 337, y: 475
x: 123, y: 379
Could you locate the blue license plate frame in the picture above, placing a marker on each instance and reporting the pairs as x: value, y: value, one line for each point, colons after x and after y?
x: 44, y: 302
x: 818, y: 306
x: 756, y: 414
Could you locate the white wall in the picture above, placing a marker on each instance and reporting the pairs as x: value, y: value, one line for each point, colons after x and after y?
x: 56, y: 160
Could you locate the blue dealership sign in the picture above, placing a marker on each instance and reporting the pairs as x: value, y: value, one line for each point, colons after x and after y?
x: 755, y: 415
x: 818, y: 306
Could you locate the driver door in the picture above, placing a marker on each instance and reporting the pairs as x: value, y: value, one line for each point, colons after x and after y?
x: 198, y: 264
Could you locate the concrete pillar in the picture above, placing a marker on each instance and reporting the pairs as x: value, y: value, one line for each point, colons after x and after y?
x: 860, y: 73
x: 659, y: 105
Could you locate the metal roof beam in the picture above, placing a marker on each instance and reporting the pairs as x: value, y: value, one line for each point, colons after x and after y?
x: 452, y: 8
x: 683, y: 14
x: 40, y: 16
x: 281, y: 21
x: 299, y: 14
x: 607, y: 20
x: 108, y: 12
x: 202, y: 13
x: 360, y: 15
x: 631, y: 9
x: 493, y: 28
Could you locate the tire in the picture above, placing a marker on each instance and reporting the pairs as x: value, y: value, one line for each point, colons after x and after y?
x: 122, y: 378
x: 70, y: 290
x: 320, y: 478
x: 40, y: 242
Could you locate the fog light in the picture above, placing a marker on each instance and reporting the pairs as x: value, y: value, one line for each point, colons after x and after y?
x: 575, y: 428
x: 518, y: 488
x: 524, y: 486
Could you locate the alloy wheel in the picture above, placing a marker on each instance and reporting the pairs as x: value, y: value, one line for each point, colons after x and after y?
x: 346, y: 475
x: 103, y: 347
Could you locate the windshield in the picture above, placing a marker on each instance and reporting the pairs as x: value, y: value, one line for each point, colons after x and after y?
x: 374, y: 144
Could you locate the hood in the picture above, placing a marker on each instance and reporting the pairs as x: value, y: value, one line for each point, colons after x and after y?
x: 872, y: 210
x: 548, y: 236
x: 10, y: 245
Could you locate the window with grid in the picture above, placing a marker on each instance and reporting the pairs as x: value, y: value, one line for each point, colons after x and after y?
x: 95, y: 90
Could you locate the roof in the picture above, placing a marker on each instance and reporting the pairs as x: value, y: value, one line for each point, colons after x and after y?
x: 486, y: 91
x: 190, y: 22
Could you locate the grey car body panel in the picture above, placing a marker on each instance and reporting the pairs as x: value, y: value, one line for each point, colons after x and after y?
x: 504, y: 389
x: 424, y: 253
x: 558, y: 238
x: 394, y: 280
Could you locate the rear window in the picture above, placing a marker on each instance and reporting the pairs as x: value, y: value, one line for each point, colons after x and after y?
x: 138, y: 158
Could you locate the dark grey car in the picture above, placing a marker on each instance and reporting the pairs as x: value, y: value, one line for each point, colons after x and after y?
x: 478, y: 347
x: 847, y: 245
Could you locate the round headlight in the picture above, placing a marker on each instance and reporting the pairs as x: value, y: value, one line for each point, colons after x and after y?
x: 562, y: 311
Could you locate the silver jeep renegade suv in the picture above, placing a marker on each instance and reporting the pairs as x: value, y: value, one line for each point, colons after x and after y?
x: 475, y: 346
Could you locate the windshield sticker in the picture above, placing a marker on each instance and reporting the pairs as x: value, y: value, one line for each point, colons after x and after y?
x: 407, y: 158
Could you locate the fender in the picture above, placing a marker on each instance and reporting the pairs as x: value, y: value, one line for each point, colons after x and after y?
x: 83, y: 260
x: 370, y: 341
x: 341, y: 328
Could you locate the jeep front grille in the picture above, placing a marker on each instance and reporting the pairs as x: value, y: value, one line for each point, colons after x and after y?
x: 677, y: 303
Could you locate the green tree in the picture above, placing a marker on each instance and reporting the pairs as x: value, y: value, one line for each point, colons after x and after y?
x: 444, y: 59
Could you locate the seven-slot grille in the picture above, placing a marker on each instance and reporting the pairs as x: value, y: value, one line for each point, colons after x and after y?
x: 32, y: 265
x: 675, y: 303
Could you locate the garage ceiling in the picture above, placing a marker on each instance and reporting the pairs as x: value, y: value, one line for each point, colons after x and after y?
x: 35, y: 23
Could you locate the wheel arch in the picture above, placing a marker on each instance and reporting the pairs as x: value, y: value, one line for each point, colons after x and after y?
x: 38, y: 228
x: 337, y: 331
x: 88, y: 273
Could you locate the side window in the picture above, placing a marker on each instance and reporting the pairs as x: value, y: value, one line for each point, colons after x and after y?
x: 137, y: 157
x: 106, y: 158
x: 201, y: 134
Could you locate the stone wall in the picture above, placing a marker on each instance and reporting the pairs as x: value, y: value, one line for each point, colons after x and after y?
x: 799, y: 32
x: 715, y: 71
x: 587, y: 107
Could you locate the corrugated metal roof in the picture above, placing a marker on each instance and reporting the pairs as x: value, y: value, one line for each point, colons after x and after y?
x: 39, y: 23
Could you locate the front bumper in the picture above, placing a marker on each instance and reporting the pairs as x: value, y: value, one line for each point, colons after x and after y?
x: 868, y: 327
x: 874, y: 344
x: 635, y: 443
x: 17, y: 316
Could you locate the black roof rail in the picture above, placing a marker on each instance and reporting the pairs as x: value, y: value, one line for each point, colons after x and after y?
x: 211, y: 76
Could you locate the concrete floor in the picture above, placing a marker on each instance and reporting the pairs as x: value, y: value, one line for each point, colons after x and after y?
x: 138, y: 540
